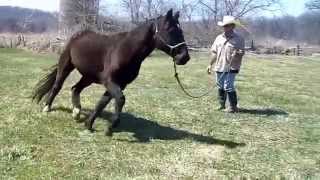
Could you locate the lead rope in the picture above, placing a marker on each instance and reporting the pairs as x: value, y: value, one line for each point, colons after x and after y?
x: 184, y: 90
x: 172, y: 47
x: 210, y: 89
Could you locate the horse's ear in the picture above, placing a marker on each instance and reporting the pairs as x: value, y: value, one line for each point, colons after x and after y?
x: 169, y: 13
x: 176, y: 15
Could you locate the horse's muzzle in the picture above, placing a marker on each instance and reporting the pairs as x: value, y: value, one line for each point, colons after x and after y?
x: 182, y: 58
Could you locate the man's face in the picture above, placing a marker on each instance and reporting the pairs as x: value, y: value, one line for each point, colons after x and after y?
x: 228, y: 27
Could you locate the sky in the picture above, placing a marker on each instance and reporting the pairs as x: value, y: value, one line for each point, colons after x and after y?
x: 294, y: 7
x: 291, y: 7
x: 47, y: 5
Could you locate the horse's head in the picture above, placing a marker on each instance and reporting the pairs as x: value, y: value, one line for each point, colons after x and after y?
x: 170, y: 39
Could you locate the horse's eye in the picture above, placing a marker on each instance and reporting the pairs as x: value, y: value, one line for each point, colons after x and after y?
x: 171, y: 30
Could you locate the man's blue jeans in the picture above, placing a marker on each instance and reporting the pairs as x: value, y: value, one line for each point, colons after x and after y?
x: 225, y: 81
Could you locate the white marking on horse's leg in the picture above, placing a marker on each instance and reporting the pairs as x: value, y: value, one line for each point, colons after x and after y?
x: 46, y: 109
x: 76, y: 113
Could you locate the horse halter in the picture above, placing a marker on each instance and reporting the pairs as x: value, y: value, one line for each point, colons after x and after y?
x: 171, y: 47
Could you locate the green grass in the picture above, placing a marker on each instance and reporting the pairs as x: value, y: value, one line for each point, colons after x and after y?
x: 163, y: 133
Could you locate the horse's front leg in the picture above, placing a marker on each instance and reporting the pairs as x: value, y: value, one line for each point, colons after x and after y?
x: 120, y: 99
x: 104, y: 100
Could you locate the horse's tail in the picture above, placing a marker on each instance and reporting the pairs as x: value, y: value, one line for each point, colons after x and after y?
x: 45, y: 84
x: 43, y: 87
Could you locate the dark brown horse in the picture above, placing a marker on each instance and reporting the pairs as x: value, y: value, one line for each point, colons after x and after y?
x: 113, y: 61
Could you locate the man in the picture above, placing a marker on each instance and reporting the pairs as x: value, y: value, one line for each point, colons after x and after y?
x: 227, y: 51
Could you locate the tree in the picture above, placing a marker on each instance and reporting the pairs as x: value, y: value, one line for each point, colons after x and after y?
x: 134, y: 8
x: 18, y: 20
x: 313, y: 4
x: 188, y: 8
x: 211, y: 7
x: 140, y: 10
x: 78, y: 14
x: 239, y: 8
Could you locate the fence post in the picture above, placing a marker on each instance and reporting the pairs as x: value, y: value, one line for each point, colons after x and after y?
x: 252, y: 46
x: 298, y: 50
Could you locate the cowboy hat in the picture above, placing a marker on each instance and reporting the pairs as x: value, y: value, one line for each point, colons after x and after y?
x: 228, y: 20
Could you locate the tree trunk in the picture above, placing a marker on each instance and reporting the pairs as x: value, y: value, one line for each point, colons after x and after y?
x: 77, y: 15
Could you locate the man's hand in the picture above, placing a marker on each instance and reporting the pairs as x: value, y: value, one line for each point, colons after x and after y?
x: 213, y: 59
x: 209, y: 69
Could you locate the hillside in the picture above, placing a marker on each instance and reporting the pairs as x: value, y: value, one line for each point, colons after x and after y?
x: 16, y: 19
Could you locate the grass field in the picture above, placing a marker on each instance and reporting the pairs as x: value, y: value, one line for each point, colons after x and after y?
x: 163, y: 133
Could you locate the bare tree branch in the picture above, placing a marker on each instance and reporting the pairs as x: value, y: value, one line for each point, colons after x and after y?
x: 239, y: 8
x: 77, y: 15
x: 313, y: 4
x: 207, y: 6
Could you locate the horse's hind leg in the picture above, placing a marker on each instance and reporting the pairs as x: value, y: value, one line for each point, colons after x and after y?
x: 64, y: 70
x: 104, y: 100
x: 76, y: 90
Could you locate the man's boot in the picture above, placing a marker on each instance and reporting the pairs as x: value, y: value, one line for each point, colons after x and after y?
x: 233, y: 101
x: 222, y: 96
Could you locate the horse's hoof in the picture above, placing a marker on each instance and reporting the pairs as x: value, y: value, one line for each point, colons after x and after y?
x: 46, y: 109
x: 88, y: 126
x: 76, y: 113
x: 90, y: 129
x: 116, y: 123
x: 108, y: 132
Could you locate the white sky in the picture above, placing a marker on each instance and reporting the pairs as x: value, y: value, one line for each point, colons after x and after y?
x: 291, y: 7
x: 47, y: 5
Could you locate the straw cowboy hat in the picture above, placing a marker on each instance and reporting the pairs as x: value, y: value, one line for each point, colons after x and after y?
x: 229, y: 20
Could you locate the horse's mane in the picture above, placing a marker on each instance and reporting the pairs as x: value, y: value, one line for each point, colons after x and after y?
x: 110, y: 34
x: 146, y: 23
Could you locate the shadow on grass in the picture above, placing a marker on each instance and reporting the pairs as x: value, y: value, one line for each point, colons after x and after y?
x: 63, y: 109
x: 144, y: 130
x: 267, y: 112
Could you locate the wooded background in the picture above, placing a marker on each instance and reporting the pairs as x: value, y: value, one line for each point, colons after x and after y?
x: 198, y: 19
